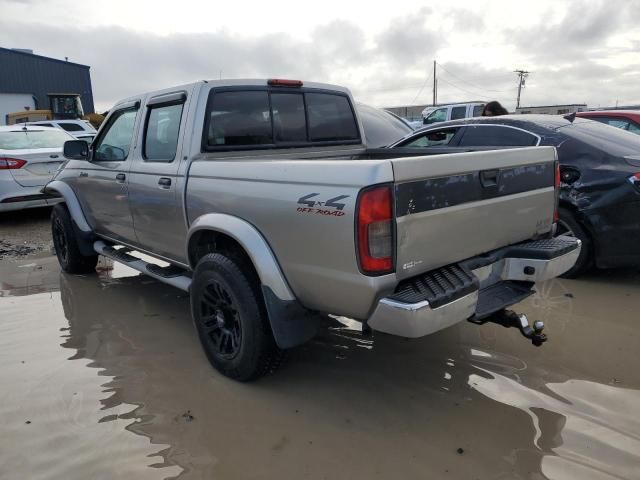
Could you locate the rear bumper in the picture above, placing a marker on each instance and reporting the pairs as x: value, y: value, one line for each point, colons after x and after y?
x: 500, y: 279
x: 13, y: 196
x: 413, y: 320
x: 13, y: 204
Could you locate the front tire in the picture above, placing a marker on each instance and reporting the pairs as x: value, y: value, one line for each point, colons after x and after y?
x: 66, y: 244
x: 569, y: 225
x: 231, y: 320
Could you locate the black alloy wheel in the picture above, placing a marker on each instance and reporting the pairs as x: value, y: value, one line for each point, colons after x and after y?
x: 66, y: 245
x: 62, y: 246
x: 220, y: 320
x: 230, y: 317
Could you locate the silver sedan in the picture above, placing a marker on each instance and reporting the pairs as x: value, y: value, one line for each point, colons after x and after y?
x: 29, y: 156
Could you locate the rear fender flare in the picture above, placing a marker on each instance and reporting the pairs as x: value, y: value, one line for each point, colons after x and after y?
x: 261, y: 255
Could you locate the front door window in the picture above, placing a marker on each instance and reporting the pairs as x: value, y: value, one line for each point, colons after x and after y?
x: 114, y: 144
x: 439, y: 115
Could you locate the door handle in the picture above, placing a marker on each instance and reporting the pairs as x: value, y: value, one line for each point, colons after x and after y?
x: 53, y: 156
x: 489, y: 178
x: 84, y: 174
x: 121, y: 177
x: 164, y: 182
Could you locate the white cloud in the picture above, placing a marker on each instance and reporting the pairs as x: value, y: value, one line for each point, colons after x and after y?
x: 580, y: 51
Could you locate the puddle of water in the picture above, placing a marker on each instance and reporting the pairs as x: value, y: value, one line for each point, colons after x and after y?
x: 467, y: 402
x: 58, y: 420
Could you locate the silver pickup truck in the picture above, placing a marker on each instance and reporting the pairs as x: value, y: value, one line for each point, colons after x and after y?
x: 261, y: 199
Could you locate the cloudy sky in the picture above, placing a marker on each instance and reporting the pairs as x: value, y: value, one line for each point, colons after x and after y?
x: 580, y: 51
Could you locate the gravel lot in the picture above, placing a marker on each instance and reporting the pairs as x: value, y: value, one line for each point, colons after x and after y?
x: 25, y: 232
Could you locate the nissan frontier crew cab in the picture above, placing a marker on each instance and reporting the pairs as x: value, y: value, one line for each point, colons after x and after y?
x: 261, y: 199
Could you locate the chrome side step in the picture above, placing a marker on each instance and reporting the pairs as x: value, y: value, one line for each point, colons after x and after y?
x: 183, y: 281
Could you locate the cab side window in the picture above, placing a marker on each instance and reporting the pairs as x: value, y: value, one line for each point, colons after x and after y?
x: 432, y: 139
x: 458, y: 112
x: 161, y: 132
x: 439, y: 115
x: 114, y: 144
x: 496, y: 136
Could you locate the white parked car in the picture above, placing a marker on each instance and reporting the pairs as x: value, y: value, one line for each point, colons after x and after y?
x: 29, y: 156
x: 452, y: 111
x: 78, y: 128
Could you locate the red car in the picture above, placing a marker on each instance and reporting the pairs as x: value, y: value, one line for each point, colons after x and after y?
x: 626, y: 119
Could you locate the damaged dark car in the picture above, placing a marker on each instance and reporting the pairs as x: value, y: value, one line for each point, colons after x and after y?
x: 599, y: 168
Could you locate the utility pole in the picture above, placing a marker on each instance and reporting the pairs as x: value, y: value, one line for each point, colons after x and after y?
x: 522, y: 75
x: 435, y: 84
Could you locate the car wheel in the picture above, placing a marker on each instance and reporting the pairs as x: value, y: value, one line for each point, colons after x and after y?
x: 231, y: 319
x: 569, y: 226
x: 66, y: 244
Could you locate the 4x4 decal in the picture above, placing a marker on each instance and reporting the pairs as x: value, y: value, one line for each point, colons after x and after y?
x: 332, y: 206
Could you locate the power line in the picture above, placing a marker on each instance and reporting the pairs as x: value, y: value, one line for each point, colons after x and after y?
x: 390, y: 89
x: 475, y: 85
x: 463, y: 89
x: 428, y: 76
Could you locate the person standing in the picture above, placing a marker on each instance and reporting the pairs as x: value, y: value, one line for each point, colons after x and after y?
x: 493, y: 109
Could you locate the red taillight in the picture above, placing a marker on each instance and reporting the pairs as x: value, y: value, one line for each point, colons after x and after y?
x: 375, y: 230
x: 281, y: 82
x: 635, y: 180
x: 11, y: 163
x: 556, y: 213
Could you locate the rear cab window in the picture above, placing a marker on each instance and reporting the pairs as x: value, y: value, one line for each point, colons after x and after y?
x: 277, y: 118
x: 71, y: 127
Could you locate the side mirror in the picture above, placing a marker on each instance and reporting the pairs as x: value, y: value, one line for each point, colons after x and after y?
x: 569, y: 175
x: 76, y: 150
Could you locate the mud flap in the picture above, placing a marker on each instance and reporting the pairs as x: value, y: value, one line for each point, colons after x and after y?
x: 291, y: 323
x: 85, y: 240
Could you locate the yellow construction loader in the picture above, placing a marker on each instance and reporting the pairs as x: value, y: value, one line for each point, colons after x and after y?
x: 62, y: 106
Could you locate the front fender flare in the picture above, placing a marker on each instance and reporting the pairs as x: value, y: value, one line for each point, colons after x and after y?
x: 253, y: 243
x: 73, y: 205
x: 84, y: 233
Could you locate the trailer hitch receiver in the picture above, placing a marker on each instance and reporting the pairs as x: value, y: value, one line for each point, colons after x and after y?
x: 509, y: 318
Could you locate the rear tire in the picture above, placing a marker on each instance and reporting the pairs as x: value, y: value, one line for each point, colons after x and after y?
x: 66, y: 244
x: 569, y: 225
x: 231, y: 320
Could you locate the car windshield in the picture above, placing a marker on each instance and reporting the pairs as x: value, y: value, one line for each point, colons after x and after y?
x: 612, y: 140
x: 22, y: 140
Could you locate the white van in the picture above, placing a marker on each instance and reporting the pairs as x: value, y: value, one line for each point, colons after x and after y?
x: 452, y: 111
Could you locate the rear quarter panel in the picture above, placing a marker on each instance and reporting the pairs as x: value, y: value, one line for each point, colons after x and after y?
x: 289, y: 203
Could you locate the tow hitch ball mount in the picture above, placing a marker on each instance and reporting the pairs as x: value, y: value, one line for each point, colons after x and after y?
x: 509, y: 318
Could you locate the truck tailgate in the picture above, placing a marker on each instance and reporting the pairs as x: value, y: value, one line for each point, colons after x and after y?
x: 452, y: 207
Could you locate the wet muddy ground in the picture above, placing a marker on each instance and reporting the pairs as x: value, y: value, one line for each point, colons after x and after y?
x: 102, y: 377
